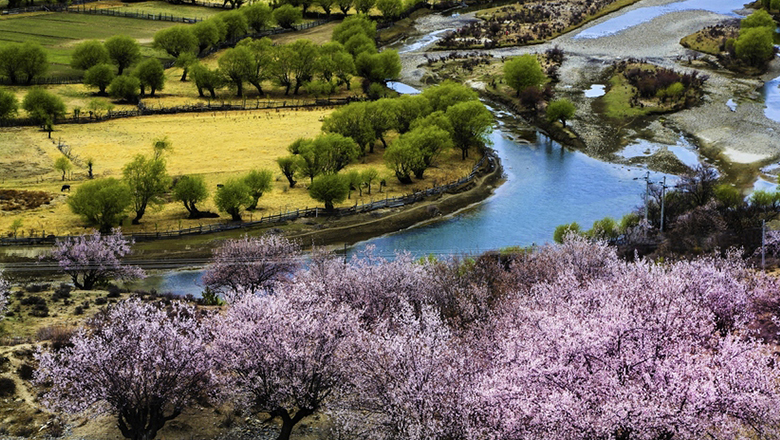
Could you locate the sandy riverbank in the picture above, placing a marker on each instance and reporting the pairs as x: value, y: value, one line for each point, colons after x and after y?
x: 744, y: 138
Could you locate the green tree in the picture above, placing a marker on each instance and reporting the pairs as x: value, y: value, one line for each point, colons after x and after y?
x: 448, y: 94
x: 206, y: 78
x: 562, y: 231
x: 729, y: 196
x: 755, y: 45
x: 9, y: 62
x: 150, y: 73
x: 176, y: 40
x: 355, y: 181
x: 431, y: 141
x: 334, y: 152
x: 88, y: 54
x: 63, y: 165
x: 523, y: 72
x: 258, y: 182
x: 352, y: 25
x: 185, y: 61
x: 765, y: 200
x: 327, y: 6
x: 329, y: 189
x: 604, y: 229
x: 148, y: 181
x: 102, y: 202
x: 307, y: 160
x: 236, y: 65
x: 234, y: 23
x: 435, y: 119
x: 32, y: 61
x: 125, y: 87
x: 327, y: 63
x: 44, y: 107
x: 471, y: 125
x: 258, y: 16
x: 368, y: 176
x: 207, y: 33
x: 352, y: 121
x: 289, y: 166
x: 304, y: 61
x: 345, y: 68
x: 232, y: 197
x: 409, y: 109
x: 775, y: 5
x: 344, y: 6
x: 123, y: 51
x: 9, y: 105
x: 359, y: 44
x: 364, y: 6
x: 390, y: 9
x: 383, y: 116
x: 261, y: 60
x: 287, y: 16
x: 191, y: 190
x: 561, y: 110
x: 759, y: 18
x: 100, y: 76
x: 403, y: 158
x: 379, y: 67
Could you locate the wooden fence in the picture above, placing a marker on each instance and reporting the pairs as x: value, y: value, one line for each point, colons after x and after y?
x: 53, y: 7
x: 489, y: 161
x: 85, y: 118
x: 121, y: 12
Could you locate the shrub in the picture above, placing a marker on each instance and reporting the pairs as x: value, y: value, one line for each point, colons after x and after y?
x: 7, y: 387
x: 26, y: 371
x: 62, y: 292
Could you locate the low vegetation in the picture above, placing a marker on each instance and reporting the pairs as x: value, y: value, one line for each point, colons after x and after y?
x: 528, y: 23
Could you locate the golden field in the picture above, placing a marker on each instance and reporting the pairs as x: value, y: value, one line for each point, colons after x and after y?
x: 217, y: 145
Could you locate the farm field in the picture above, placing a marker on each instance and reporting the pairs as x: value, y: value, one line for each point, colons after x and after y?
x: 216, y: 145
x: 60, y: 32
x: 159, y: 7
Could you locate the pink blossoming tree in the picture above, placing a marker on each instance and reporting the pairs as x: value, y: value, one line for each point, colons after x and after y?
x: 90, y: 260
x: 250, y: 264
x: 139, y: 362
x: 282, y: 354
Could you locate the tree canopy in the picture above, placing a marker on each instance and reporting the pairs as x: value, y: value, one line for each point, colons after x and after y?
x: 523, y: 72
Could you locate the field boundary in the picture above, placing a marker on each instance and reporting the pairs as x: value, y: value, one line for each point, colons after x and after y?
x: 142, y: 110
x: 489, y: 162
x: 120, y: 12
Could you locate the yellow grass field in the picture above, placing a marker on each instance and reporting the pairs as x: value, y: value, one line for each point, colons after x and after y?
x: 217, y: 145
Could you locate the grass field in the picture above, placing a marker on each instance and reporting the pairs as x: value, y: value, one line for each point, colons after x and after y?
x: 216, y: 145
x: 160, y: 7
x: 59, y: 33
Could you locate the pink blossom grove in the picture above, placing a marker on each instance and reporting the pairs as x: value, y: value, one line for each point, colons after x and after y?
x: 139, y: 362
x: 250, y: 264
x: 564, y: 342
x: 93, y: 259
x: 4, y: 292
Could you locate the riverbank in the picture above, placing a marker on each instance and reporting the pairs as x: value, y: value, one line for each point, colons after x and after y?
x: 330, y: 232
x: 739, y: 142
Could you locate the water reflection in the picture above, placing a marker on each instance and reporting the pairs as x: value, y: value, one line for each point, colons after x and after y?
x: 641, y: 15
x: 771, y: 93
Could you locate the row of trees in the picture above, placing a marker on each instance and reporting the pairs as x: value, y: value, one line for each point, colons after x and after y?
x: 565, y: 342
x: 21, y: 63
x: 319, y: 69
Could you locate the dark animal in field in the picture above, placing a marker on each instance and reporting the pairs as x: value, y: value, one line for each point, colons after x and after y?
x: 65, y: 188
x: 219, y: 185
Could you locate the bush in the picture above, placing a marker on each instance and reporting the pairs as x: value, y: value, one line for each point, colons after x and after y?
x: 26, y: 371
x: 287, y: 16
x: 562, y: 231
x: 101, y: 300
x: 62, y: 292
x: 36, y: 288
x: 7, y: 387
x: 125, y: 87
x: 59, y: 335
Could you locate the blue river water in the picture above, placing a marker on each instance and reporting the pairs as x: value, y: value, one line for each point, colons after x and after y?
x: 638, y: 16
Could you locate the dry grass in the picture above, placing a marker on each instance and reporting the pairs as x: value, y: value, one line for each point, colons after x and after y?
x: 216, y: 145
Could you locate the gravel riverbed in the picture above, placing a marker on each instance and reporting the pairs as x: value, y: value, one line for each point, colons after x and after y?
x: 745, y: 135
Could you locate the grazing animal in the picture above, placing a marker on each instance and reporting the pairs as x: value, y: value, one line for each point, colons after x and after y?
x: 219, y: 185
x: 65, y: 188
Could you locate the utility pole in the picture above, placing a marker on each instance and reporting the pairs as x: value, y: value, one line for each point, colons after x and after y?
x: 763, y: 245
x: 647, y: 190
x: 663, y: 200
